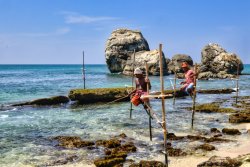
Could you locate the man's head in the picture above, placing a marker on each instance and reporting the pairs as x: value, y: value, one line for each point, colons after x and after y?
x: 185, y: 66
x: 138, y: 73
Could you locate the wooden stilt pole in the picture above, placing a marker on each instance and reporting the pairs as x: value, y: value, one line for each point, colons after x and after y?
x: 133, y: 68
x: 237, y: 83
x: 83, y: 70
x: 194, y: 95
x: 149, y: 118
x: 163, y: 107
x: 174, y: 86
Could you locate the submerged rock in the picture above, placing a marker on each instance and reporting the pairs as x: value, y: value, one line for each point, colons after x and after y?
x: 112, y: 143
x: 144, y: 163
x: 116, y: 151
x: 242, y: 117
x: 206, y: 147
x: 216, y: 161
x: 214, y: 130
x: 216, y: 62
x: 109, y: 162
x: 72, y: 142
x: 212, y: 107
x: 231, y: 131
x: 46, y: 101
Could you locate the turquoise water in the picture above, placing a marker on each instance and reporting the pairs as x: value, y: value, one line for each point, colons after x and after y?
x: 25, y: 132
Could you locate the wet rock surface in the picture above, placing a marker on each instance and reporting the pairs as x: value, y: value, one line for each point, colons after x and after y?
x: 212, y: 107
x: 216, y: 161
x: 46, y: 101
x: 231, y: 131
x: 144, y: 163
x: 206, y: 147
x: 85, y: 96
x: 72, y: 142
x: 243, y: 116
x: 116, y: 151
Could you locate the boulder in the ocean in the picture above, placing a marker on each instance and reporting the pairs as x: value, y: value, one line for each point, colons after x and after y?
x: 176, y: 61
x: 216, y: 62
x: 120, y: 47
x: 152, y: 59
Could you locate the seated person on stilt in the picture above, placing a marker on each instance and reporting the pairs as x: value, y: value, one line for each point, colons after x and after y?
x: 188, y: 84
x: 141, y: 88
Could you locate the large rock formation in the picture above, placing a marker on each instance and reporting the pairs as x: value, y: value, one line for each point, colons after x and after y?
x: 119, y: 53
x: 121, y: 45
x: 152, y: 59
x: 176, y: 61
x: 218, y: 63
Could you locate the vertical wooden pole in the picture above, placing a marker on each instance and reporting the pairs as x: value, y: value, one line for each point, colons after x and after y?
x: 194, y: 95
x: 149, y: 118
x: 237, y: 83
x: 133, y: 68
x: 174, y: 86
x: 83, y: 70
x: 163, y: 106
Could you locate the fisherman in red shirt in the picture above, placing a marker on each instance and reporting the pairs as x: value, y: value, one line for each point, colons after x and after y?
x: 188, y: 84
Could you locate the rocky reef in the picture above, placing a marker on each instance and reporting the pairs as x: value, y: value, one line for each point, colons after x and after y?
x: 85, y: 96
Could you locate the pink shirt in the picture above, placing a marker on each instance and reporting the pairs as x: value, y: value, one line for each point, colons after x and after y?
x: 189, y: 76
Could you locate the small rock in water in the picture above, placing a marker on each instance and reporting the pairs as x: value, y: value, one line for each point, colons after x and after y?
x: 214, y: 130
x: 72, y: 142
x: 206, y: 147
x: 143, y: 163
x: 231, y: 131
x: 216, y: 161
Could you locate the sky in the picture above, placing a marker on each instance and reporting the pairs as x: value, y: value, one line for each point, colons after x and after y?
x: 58, y: 31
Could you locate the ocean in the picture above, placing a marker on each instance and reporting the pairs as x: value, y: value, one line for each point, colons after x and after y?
x: 25, y: 132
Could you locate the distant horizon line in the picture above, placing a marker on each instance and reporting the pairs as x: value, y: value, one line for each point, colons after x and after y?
x: 71, y: 64
x: 52, y: 64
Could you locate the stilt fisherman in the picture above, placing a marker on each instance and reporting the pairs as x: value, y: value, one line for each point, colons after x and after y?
x: 141, y: 88
x: 188, y: 84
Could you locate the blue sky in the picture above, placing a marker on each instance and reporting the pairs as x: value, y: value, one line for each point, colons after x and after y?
x: 57, y: 31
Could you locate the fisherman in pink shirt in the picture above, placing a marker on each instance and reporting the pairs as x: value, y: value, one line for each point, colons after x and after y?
x: 188, y: 84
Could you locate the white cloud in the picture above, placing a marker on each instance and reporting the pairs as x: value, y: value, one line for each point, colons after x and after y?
x: 74, y: 18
